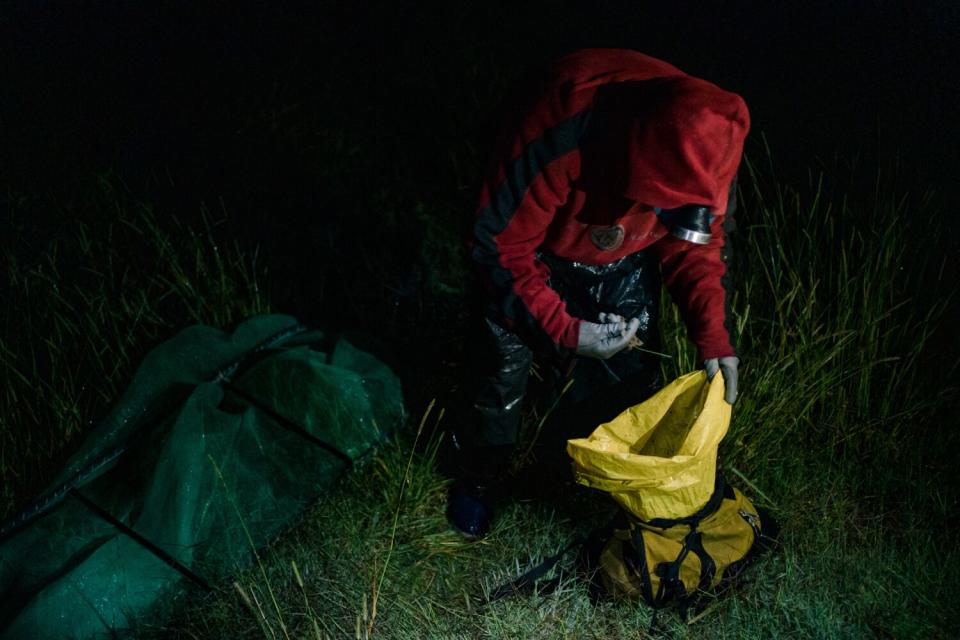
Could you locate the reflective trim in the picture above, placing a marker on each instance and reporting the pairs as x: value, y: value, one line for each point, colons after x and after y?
x: 690, y: 235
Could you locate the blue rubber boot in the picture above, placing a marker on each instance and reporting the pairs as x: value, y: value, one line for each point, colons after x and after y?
x: 469, y: 510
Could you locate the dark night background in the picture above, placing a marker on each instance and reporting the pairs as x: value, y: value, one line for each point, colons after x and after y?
x: 316, y: 128
x: 341, y: 143
x: 164, y: 92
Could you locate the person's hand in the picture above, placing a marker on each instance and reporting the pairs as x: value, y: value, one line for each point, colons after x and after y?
x: 728, y: 368
x: 609, y: 336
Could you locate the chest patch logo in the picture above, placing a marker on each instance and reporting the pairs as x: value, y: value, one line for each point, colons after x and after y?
x: 607, y: 238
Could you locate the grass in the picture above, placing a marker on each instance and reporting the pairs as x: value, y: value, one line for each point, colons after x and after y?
x: 842, y: 428
x: 81, y: 310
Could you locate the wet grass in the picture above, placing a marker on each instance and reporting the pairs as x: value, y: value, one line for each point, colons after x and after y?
x: 111, y: 280
x: 843, y: 429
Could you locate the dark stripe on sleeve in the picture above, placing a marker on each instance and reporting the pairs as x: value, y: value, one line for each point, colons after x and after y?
x: 505, y: 200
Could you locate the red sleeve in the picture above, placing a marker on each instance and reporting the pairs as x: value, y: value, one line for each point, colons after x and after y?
x: 517, y: 206
x: 693, y: 274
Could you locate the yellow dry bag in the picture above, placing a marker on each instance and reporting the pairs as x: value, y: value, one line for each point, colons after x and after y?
x: 682, y: 530
x: 658, y: 459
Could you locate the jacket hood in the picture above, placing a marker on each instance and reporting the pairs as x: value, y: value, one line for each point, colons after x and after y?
x: 666, y: 142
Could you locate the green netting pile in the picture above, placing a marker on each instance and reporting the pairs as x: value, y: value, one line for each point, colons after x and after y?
x: 219, y: 442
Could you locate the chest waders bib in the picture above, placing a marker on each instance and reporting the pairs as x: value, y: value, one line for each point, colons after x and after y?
x: 600, y: 389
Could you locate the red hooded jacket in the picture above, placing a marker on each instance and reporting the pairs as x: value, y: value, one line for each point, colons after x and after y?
x: 584, y: 166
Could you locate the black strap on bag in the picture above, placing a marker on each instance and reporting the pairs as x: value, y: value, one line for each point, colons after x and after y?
x: 708, y: 568
x: 721, y: 490
x: 592, y: 543
x: 525, y: 581
x: 672, y: 588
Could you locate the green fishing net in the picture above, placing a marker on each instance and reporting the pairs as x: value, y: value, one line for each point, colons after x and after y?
x: 219, y: 443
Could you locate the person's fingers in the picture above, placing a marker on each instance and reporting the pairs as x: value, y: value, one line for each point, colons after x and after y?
x: 629, y: 330
x: 606, y: 318
x: 605, y: 339
x: 731, y: 394
x: 730, y: 374
x: 711, y: 366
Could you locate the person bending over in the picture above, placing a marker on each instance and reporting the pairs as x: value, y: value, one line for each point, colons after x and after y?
x: 613, y: 171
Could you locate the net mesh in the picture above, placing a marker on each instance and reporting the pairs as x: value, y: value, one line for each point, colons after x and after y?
x: 219, y: 443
